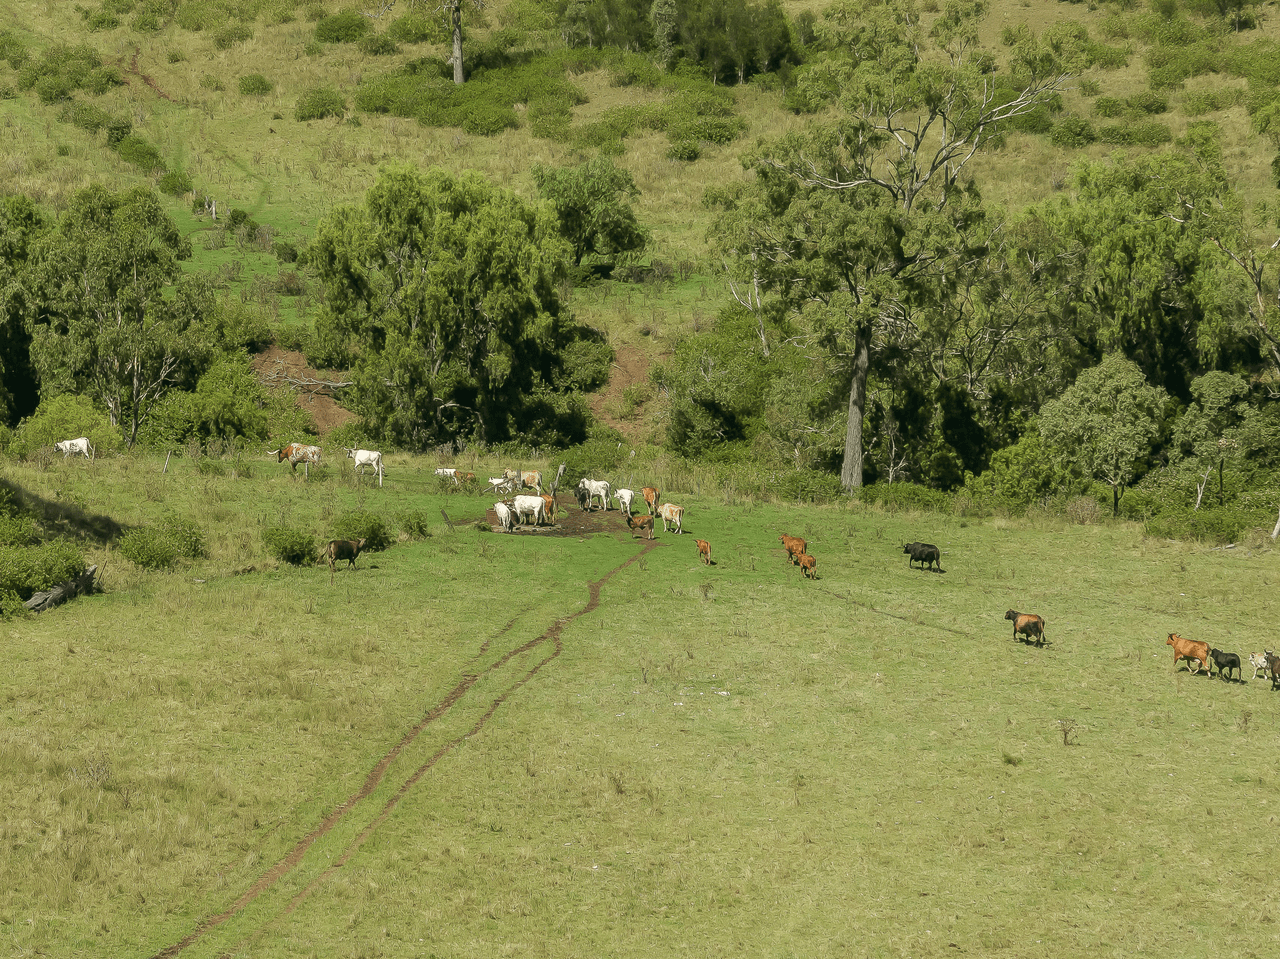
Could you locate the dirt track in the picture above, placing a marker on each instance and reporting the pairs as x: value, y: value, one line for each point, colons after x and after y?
x: 379, y: 771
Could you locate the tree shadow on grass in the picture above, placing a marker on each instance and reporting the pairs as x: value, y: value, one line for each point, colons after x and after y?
x: 63, y: 518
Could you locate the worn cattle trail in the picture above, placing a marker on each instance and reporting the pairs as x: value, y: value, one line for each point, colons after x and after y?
x: 378, y: 773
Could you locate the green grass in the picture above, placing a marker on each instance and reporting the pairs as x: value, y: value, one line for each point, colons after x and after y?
x: 718, y: 761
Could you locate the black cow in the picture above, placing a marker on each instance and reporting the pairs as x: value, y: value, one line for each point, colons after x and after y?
x: 1225, y: 663
x: 924, y: 553
x: 1273, y: 669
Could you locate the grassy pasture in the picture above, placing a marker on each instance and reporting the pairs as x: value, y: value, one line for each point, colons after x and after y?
x: 477, y: 744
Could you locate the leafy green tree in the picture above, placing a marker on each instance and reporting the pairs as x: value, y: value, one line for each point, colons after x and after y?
x: 443, y: 290
x: 593, y: 204
x: 1105, y: 424
x: 102, y: 322
x: 865, y: 224
x: 20, y: 224
x: 1215, y: 427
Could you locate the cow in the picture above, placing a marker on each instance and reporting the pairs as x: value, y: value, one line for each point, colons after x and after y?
x: 671, y: 513
x: 460, y: 477
x: 533, y: 507
x: 1273, y: 670
x: 365, y: 458
x: 297, y: 453
x: 924, y: 553
x: 594, y: 488
x: 624, y: 498
x: 1189, y: 649
x: 1028, y: 624
x: 501, y: 484
x: 808, y: 566
x: 340, y: 549
x: 448, y: 471
x: 794, y: 545
x: 704, y: 550
x: 1225, y: 663
x: 506, y: 516
x: 650, y: 494
x: 79, y: 445
x: 528, y: 479
x: 639, y: 524
x: 1259, y: 662
x: 550, y: 510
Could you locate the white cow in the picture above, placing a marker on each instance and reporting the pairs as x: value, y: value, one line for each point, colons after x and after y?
x: 80, y: 445
x: 506, y: 516
x: 534, y: 507
x: 624, y: 498
x: 365, y: 458
x: 671, y: 513
x: 527, y: 479
x: 500, y: 484
x: 594, y: 488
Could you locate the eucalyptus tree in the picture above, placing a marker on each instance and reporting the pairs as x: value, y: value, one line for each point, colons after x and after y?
x: 110, y: 312
x: 20, y: 224
x: 444, y: 292
x: 866, y: 224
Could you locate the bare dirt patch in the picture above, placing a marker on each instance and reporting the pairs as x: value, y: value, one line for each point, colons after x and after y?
x: 571, y: 521
x: 630, y: 366
x: 312, y: 389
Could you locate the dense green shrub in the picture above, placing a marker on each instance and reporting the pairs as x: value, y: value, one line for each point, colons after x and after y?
x: 18, y: 530
x: 86, y: 116
x: 12, y: 49
x: 685, y: 150
x: 378, y: 45
x: 175, y: 183
x: 134, y: 149
x: 26, y: 570
x: 285, y: 251
x: 899, y: 497
x: 1149, y: 101
x: 597, y: 458
x: 1210, y: 101
x: 227, y: 37
x: 415, y: 522
x: 1148, y: 133
x: 255, y: 85
x: 586, y: 365
x: 807, y: 486
x: 1073, y: 131
x: 319, y: 103
x: 488, y: 119
x: 345, y: 27
x: 1222, y: 524
x: 290, y: 545
x: 65, y: 417
x: 418, y: 27
x: 160, y: 546
x: 361, y: 524
x: 1108, y: 107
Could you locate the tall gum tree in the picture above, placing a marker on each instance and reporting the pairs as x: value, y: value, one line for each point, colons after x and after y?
x: 867, y: 221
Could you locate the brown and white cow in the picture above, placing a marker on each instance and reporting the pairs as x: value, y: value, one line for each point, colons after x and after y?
x: 297, y: 453
x: 527, y: 479
x: 672, y: 515
x: 650, y: 494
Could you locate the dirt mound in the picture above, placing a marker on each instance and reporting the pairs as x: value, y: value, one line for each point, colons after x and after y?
x: 313, y: 389
x: 571, y: 521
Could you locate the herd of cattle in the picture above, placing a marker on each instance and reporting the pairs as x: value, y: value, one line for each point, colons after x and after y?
x: 540, y: 508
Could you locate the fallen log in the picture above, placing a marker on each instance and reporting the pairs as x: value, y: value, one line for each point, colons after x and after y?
x: 49, y: 598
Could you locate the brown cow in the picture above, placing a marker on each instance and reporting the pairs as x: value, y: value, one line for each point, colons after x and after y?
x: 1188, y: 649
x: 551, y: 506
x: 1028, y: 624
x: 807, y: 566
x: 704, y: 551
x: 795, y: 547
x: 339, y: 549
x: 639, y: 524
x: 650, y: 494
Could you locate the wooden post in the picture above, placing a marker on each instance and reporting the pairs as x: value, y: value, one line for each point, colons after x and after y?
x: 166, y: 462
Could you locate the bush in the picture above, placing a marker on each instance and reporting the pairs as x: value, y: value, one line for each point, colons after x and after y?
x: 65, y: 417
x: 361, y: 524
x: 176, y: 183
x: 134, y: 149
x: 255, y: 85
x: 417, y: 27
x: 289, y: 545
x: 1222, y: 524
x: 378, y: 45
x: 1108, y: 107
x: 1073, y: 131
x: 285, y: 251
x: 18, y: 531
x: 26, y: 570
x: 898, y: 497
x: 230, y: 35
x: 415, y: 523
x: 586, y: 365
x: 489, y: 119
x: 86, y: 116
x: 345, y: 27
x: 1149, y: 102
x: 685, y: 150
x: 318, y: 103
x: 1149, y: 133
x: 160, y: 546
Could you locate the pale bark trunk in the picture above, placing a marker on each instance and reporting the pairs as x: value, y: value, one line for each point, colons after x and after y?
x: 457, y: 41
x: 851, y: 470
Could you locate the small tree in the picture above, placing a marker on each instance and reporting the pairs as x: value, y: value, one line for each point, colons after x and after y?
x: 1212, y: 429
x: 593, y: 205
x: 1105, y: 423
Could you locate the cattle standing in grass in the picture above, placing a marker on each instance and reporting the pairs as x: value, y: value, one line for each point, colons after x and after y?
x: 596, y: 489
x: 1273, y: 669
x: 448, y: 472
x: 506, y: 516
x: 80, y: 445
x: 527, y: 479
x: 639, y: 524
x: 795, y: 547
x: 650, y: 494
x: 365, y: 458
x: 808, y: 566
x: 1028, y: 624
x: 704, y: 550
x: 1259, y: 662
x: 1225, y: 663
x: 530, y: 509
x: 340, y: 549
x: 624, y: 498
x: 501, y: 484
x: 672, y: 515
x: 1190, y: 650
x: 297, y: 453
x: 550, y: 508
x: 924, y: 553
